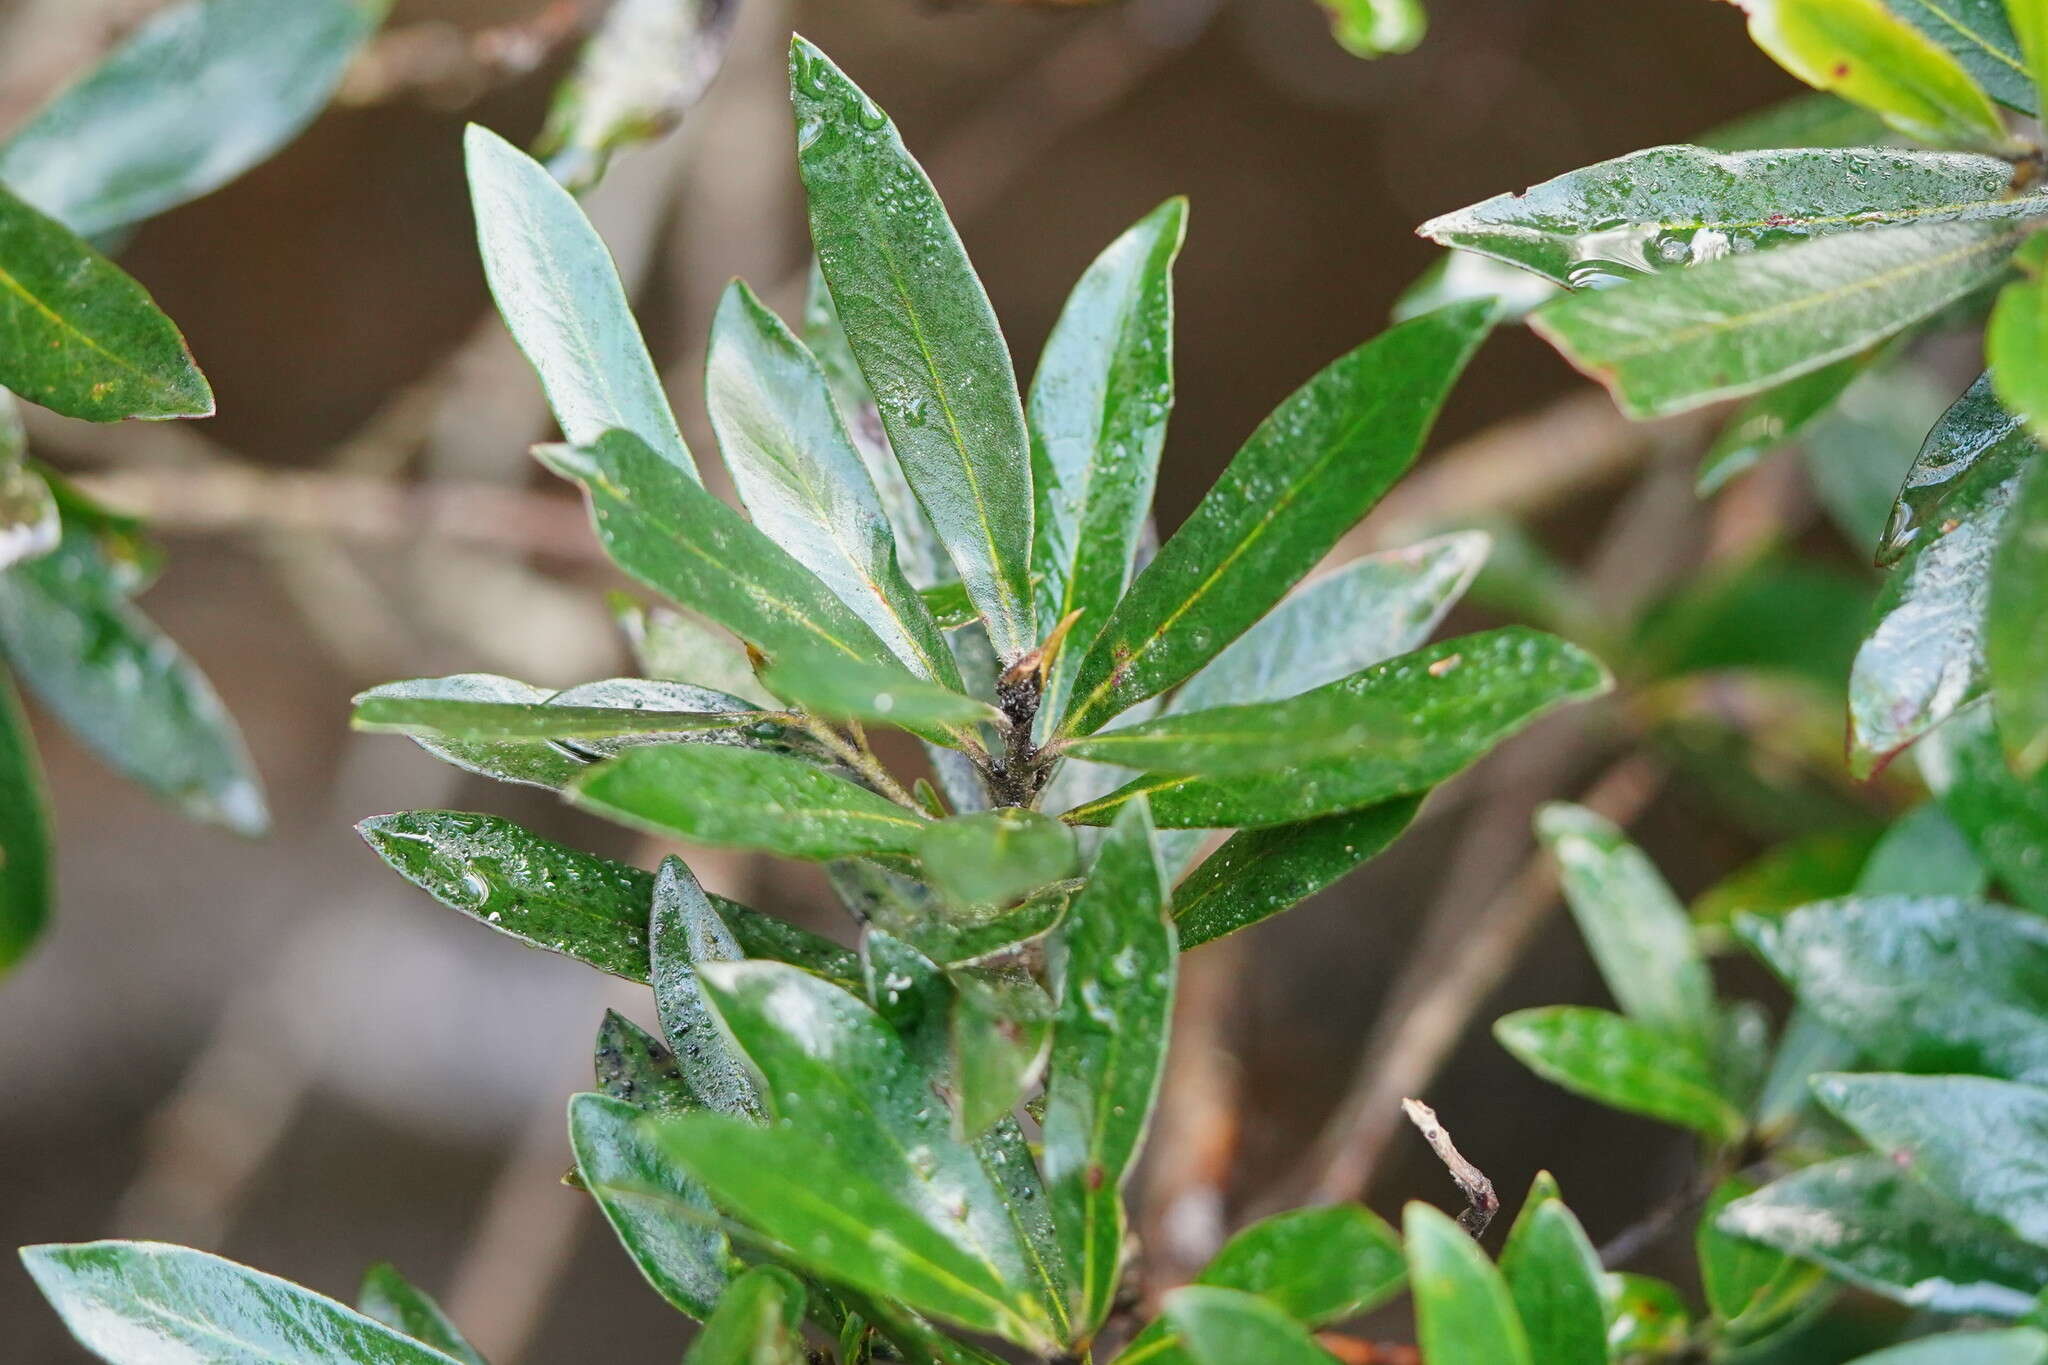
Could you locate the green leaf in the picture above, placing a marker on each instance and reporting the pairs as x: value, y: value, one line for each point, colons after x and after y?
x: 2015, y: 660
x: 1321, y: 461
x: 804, y: 484
x: 664, y: 1219
x: 26, y: 880
x: 539, y: 762
x: 672, y: 646
x: 759, y: 1322
x: 1811, y: 118
x: 1555, y: 1277
x: 1973, y: 433
x: 132, y: 1303
x: 2019, y: 1346
x: 1978, y: 34
x: 1460, y: 276
x: 1260, y: 872
x: 564, y: 899
x: 684, y: 932
x: 388, y: 1297
x: 1861, y: 51
x: 1422, y: 717
x: 1752, y: 1288
x: 1922, y: 854
x: 2016, y: 337
x: 1810, y: 868
x: 912, y: 911
x: 1922, y: 983
x: 1097, y: 416
x: 1114, y: 961
x: 1769, y: 614
x: 1648, y: 1319
x: 847, y: 689
x: 1616, y: 1061
x: 1771, y: 418
x: 1665, y: 208
x: 1376, y: 28
x: 672, y: 535
x: 1744, y: 323
x: 991, y: 860
x: 561, y: 298
x: 740, y: 798
x: 2005, y: 817
x: 642, y: 68
x: 1879, y: 1228
x: 1634, y: 926
x: 1981, y: 1143
x: 2030, y: 26
x: 1001, y: 1029
x: 84, y: 338
x: 449, y: 718
x: 195, y: 96
x: 919, y: 323
x: 1462, y: 1307
x: 631, y: 1065
x: 122, y: 686
x: 1228, y: 1326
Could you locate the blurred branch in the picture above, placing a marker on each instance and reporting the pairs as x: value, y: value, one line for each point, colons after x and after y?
x: 441, y: 64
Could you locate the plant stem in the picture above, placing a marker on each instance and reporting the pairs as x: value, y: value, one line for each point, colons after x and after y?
x: 862, y: 760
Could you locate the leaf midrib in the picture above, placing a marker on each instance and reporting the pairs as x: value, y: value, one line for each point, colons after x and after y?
x: 65, y: 325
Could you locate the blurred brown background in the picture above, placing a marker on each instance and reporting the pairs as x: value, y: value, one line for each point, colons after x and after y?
x: 278, y: 1050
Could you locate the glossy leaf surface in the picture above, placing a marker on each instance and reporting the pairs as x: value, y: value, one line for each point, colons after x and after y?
x: 990, y: 860
x: 1554, y: 1276
x: 883, y: 693
x: 1462, y: 1307
x: 758, y: 1322
x: 1257, y: 873
x: 1227, y: 1326
x: 1001, y: 1028
x: 392, y: 1300
x: 632, y: 1065
x: 1978, y: 34
x: 463, y: 720
x: 685, y: 931
x: 1751, y: 1288
x: 2019, y: 1346
x: 1618, y: 1062
x: 2005, y: 817
x: 661, y: 1216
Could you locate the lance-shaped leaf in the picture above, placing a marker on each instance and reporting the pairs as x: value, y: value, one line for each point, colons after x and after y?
x: 920, y: 324
x: 1881, y: 1229
x: 2016, y: 338
x: 561, y: 298
x: 803, y: 482
x: 464, y: 720
x: 137, y: 1302
x: 533, y: 762
x: 632, y: 1065
x: 1227, y: 1326
x: 1812, y: 118
x: 84, y: 338
x: 1377, y: 28
x: 122, y: 686
x: 1260, y: 872
x: 1314, y: 467
x: 1616, y: 1061
x: 759, y: 1322
x: 394, y: 1301
x: 662, y: 1217
x: 1980, y: 1143
x: 1000, y: 1030
x: 1979, y: 35
x: 1752, y: 1288
x: 1097, y: 413
x: 1922, y: 983
x: 678, y: 539
x: 992, y: 859
x: 1635, y: 927
x: 1862, y: 51
x: 684, y: 932
x: 2030, y: 26
x: 2015, y: 658
x: 1813, y: 867
x: 740, y: 798
x: 25, y: 871
x: 2005, y: 817
x: 642, y: 68
x: 1666, y: 208
x: 1115, y: 964
x: 1556, y: 1280
x: 881, y: 693
x: 1771, y: 418
x: 2018, y: 1346
x: 564, y: 899
x: 1975, y: 430
x: 200, y: 93
x: 1743, y: 323
x: 848, y: 1094
x: 1462, y: 1307
x: 1419, y: 718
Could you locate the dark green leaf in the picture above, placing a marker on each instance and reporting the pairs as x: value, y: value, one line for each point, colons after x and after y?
x: 466, y: 721
x: 1634, y: 926
x: 661, y: 1216
x: 885, y: 693
x: 675, y: 647
x: 1809, y: 119
x: 950, y: 606
x: 25, y: 873
x: 1772, y: 614
x: 2019, y: 1346
x: 1422, y: 717
x: 1881, y: 1229
x: 804, y: 484
x: 2015, y: 658
x: 1114, y: 960
x: 1811, y: 868
x: 2005, y: 817
x: 1647, y: 1316
x: 1097, y: 414
x: 537, y: 762
x: 759, y: 1322
x: 561, y: 298
x: 637, y: 1068
x: 134, y: 1303
x: 921, y: 327
x: 1001, y: 1028
x: 684, y: 931
x: 388, y: 1297
x: 912, y: 911
x: 1744, y: 323
x: 1260, y: 872
x: 1977, y: 34
x: 122, y: 686
x: 1462, y: 1307
x: 1981, y: 1143
x: 194, y: 97
x: 1460, y: 276
x: 1975, y: 429
x: 741, y: 798
x: 1310, y: 471
x: 1751, y: 1287
x: 992, y: 859
x: 1228, y: 1326
x: 1554, y: 1276
x: 1615, y: 1061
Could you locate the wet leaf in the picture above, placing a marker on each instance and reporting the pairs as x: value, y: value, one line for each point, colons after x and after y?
x: 991, y: 860
x: 1975, y: 430
x: 1978, y: 34
x: 2005, y: 817
x: 920, y: 325
x: 632, y: 1066
x: 664, y: 1219
x: 1738, y: 325
x: 2015, y: 659
x: 561, y: 298
x: 1097, y: 416
x: 882, y: 693
x: 388, y: 1297
x: 1460, y: 276
x: 759, y: 1322
x: 26, y: 877
x: 1114, y: 962
x: 1001, y: 1028
x: 1314, y: 467
x: 1922, y: 854
x: 461, y: 719
x: 684, y: 932
x: 1616, y: 1061
x: 1811, y: 868
x: 1462, y: 1307
x: 1750, y: 1287
x: 539, y: 762
x: 642, y: 68
x: 137, y: 1302
x: 1260, y: 872
x: 1554, y: 1276
x: 1226, y: 1326
x: 196, y: 95
x: 2019, y: 1346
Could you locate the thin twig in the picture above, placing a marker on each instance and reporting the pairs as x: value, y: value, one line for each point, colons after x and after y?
x: 1481, y: 1203
x: 861, y: 760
